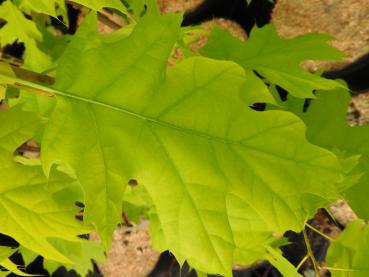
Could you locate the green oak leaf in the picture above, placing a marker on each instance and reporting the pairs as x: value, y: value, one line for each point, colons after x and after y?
x: 6, y: 252
x: 98, y: 5
x: 256, y: 90
x: 35, y: 59
x: 49, y: 7
x: 12, y: 268
x: 17, y: 27
x: 129, y: 58
x: 137, y: 203
x: 20, y: 29
x: 53, y: 45
x: 6, y: 75
x: 6, y: 263
x: 348, y: 254
x: 16, y: 127
x: 138, y: 7
x: 31, y: 214
x: 32, y: 207
x: 327, y: 126
x: 79, y: 252
x: 280, y: 262
x: 222, y: 177
x: 199, y: 165
x: 276, y: 59
x: 36, y: 103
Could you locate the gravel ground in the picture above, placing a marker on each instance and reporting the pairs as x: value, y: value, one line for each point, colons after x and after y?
x: 131, y: 253
x: 359, y: 110
x: 346, y: 20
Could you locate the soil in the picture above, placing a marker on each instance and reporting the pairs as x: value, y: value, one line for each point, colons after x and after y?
x: 131, y: 254
x: 359, y: 110
x: 345, y: 20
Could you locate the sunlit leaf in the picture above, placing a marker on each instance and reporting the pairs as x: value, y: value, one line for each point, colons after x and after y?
x: 20, y: 29
x: 204, y: 157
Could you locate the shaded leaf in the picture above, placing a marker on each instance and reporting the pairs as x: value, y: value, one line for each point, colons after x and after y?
x: 49, y: 7
x: 280, y: 262
x: 276, y: 59
x: 327, y: 124
x: 348, y: 254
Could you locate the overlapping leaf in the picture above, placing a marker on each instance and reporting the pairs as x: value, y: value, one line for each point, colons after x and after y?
x: 139, y: 6
x: 44, y: 6
x: 31, y: 215
x: 6, y: 263
x: 276, y: 59
x: 5, y: 71
x: 20, y: 29
x: 98, y: 5
x: 222, y: 177
x: 79, y: 252
x: 17, y: 27
x: 118, y: 70
x: 56, y: 7
x: 16, y: 127
x: 30, y: 211
x: 328, y: 127
x: 348, y: 254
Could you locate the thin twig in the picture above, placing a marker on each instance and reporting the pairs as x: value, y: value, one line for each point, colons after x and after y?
x: 39, y: 92
x: 319, y: 232
x: 104, y: 16
x: 340, y: 269
x: 9, y: 59
x: 310, y: 252
x: 32, y: 76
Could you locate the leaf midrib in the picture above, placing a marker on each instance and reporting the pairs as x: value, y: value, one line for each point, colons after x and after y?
x: 140, y: 116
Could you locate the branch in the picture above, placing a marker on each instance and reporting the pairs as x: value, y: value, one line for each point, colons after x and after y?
x: 32, y: 76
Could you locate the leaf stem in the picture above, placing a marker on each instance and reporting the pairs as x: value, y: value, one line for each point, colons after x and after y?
x: 302, y: 262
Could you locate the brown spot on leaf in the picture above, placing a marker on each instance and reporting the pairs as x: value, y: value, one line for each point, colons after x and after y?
x: 133, y: 183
